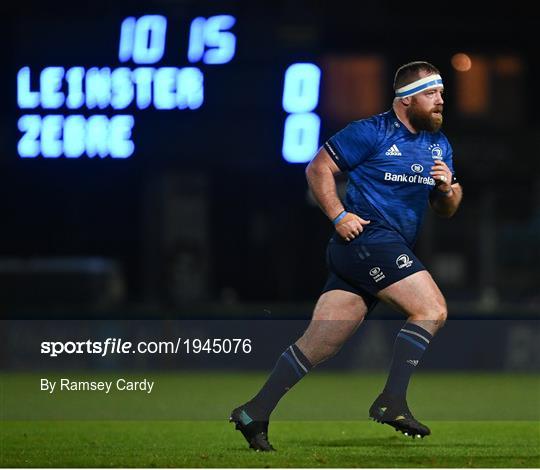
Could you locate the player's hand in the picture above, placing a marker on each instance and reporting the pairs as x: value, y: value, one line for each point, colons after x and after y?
x: 442, y: 176
x: 351, y: 226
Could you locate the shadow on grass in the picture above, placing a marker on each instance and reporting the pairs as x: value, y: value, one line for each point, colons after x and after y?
x: 393, y: 441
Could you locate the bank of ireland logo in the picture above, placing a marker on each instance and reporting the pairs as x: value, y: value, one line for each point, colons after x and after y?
x: 436, y: 152
x: 403, y: 261
x: 417, y: 168
x: 376, y: 274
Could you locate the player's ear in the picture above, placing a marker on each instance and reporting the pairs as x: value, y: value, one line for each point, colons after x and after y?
x: 406, y: 101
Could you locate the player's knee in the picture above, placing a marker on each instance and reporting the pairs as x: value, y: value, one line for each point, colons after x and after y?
x: 433, y: 317
x: 440, y: 317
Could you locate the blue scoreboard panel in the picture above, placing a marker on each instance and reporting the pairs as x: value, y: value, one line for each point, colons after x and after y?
x: 96, y: 110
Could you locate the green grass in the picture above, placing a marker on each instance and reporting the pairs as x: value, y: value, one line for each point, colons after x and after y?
x: 477, y: 420
x: 299, y: 444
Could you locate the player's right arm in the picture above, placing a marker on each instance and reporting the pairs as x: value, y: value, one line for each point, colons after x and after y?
x: 320, y: 174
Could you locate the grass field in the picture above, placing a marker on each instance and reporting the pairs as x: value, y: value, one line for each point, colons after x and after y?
x: 477, y: 420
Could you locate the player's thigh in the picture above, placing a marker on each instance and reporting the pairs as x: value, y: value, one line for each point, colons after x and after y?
x: 340, y: 305
x: 337, y: 314
x: 419, y: 297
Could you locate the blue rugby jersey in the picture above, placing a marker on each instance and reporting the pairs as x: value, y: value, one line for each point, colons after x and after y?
x: 389, y: 180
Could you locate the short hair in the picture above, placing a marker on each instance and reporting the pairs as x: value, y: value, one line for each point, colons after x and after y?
x: 410, y: 72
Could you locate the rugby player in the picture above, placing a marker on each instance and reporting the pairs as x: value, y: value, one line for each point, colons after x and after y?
x: 398, y: 163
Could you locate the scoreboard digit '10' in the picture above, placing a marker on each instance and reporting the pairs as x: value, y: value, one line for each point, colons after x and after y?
x: 82, y: 111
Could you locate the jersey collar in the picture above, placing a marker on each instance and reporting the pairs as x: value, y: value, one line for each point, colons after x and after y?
x: 399, y: 125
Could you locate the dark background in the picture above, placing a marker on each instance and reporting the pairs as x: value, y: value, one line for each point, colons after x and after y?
x: 207, y: 216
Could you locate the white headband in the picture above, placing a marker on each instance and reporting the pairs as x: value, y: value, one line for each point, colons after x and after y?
x: 419, y: 85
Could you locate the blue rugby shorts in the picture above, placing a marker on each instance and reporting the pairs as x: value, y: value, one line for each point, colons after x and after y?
x: 365, y: 269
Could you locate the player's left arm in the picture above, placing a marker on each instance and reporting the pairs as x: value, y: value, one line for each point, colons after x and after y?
x: 446, y: 197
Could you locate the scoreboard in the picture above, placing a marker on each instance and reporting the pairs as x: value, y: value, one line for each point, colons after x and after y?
x: 94, y: 111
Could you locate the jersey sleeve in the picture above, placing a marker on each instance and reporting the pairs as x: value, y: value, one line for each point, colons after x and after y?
x: 353, y: 144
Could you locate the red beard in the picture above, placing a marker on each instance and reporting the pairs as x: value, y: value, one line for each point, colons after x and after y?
x: 421, y: 120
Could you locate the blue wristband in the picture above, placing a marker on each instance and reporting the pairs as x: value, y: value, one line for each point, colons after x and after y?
x: 339, y: 217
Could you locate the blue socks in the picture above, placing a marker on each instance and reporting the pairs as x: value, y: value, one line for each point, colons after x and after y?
x: 411, y: 342
x: 291, y: 366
